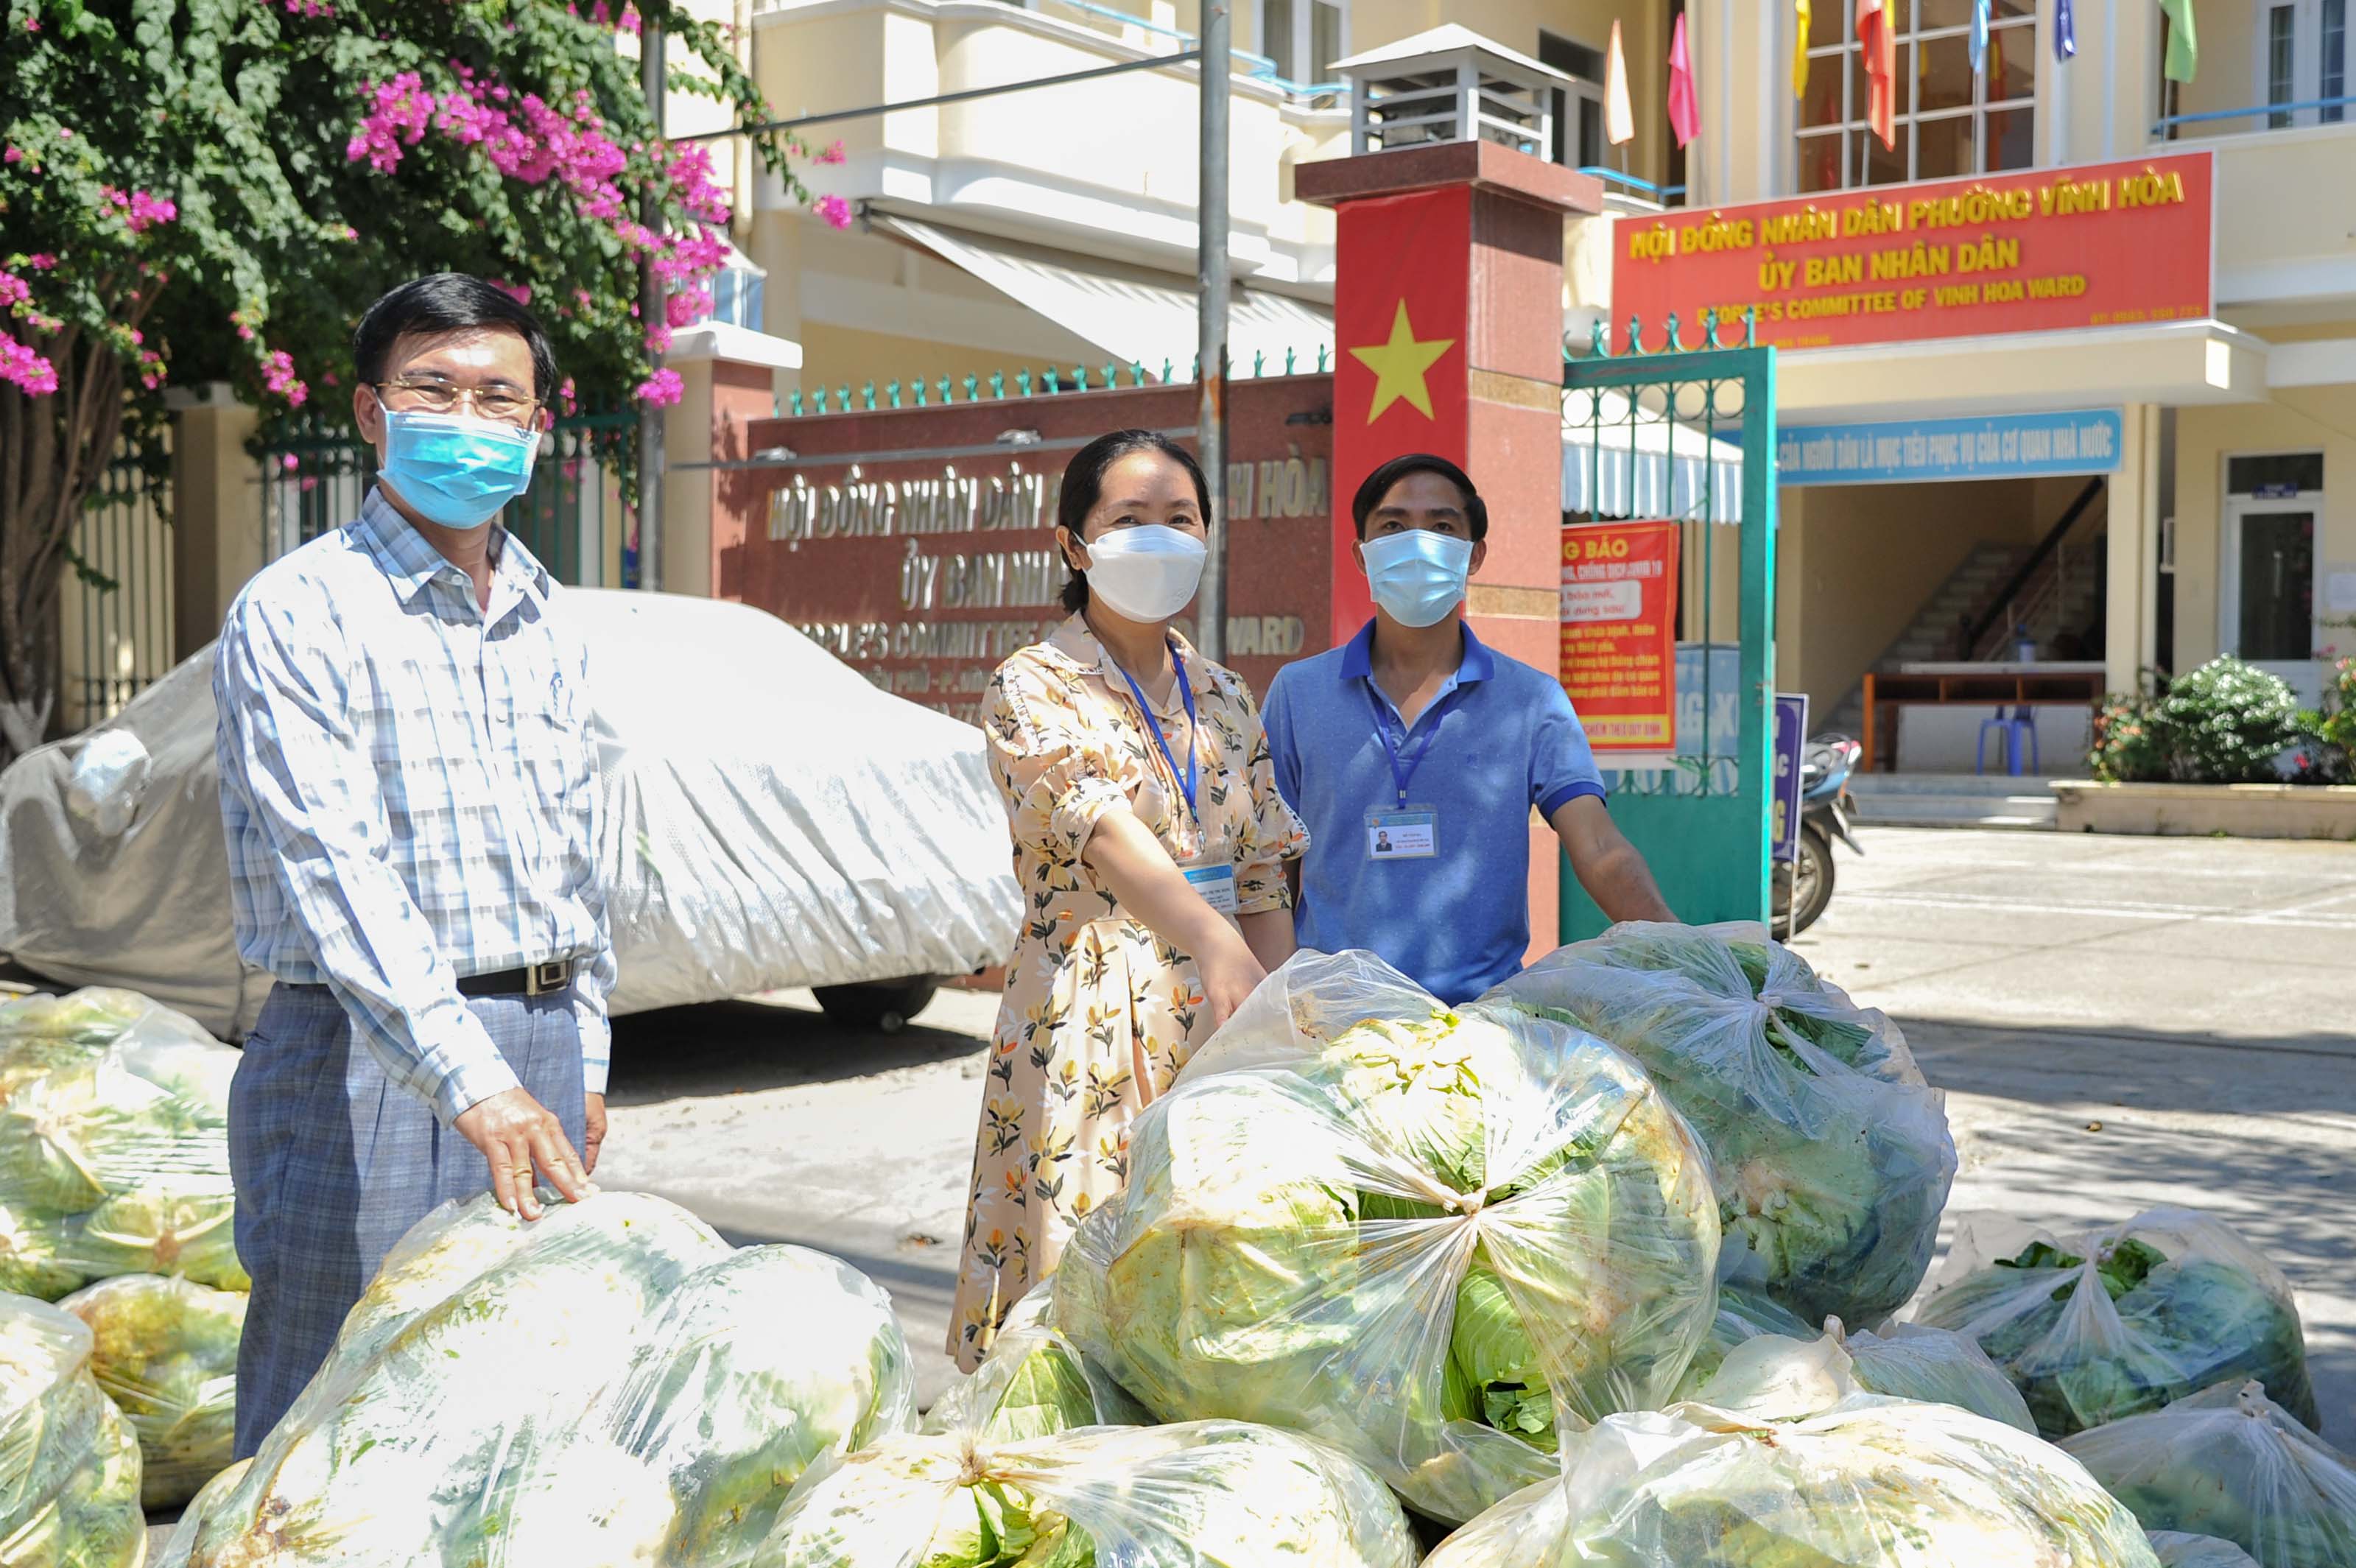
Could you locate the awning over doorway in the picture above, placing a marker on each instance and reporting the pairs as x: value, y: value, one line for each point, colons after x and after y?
x: 1621, y: 460
x: 1123, y: 310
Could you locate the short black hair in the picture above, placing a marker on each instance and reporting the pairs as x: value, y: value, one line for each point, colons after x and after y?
x: 1084, y: 487
x: 1378, y: 484
x: 449, y: 301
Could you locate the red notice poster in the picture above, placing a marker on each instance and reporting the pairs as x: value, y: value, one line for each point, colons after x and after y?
x: 1619, y: 633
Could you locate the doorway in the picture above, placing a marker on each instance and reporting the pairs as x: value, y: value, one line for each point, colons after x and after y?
x: 2266, y: 582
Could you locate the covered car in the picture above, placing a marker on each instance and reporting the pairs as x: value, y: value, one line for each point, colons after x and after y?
x: 771, y: 820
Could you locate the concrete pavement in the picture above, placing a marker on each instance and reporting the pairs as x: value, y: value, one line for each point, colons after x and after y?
x: 2118, y: 1023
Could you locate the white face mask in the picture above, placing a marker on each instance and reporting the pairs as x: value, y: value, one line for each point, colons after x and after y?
x: 1148, y: 573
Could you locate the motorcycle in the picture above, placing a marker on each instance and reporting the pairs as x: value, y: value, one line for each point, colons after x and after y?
x: 1803, y: 885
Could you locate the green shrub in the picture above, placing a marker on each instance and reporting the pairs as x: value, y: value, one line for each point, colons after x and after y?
x: 2225, y: 723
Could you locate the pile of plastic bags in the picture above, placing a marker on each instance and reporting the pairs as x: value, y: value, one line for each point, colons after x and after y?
x: 612, y: 1384
x: 68, y: 1465
x: 1831, y: 1157
x: 1905, y: 1360
x: 2108, y: 1323
x: 164, y: 1350
x: 1801, y: 1468
x: 2232, y: 1463
x: 1433, y: 1239
x: 113, y: 1146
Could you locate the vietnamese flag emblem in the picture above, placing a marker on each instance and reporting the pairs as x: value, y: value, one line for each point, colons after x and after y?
x: 1399, y: 365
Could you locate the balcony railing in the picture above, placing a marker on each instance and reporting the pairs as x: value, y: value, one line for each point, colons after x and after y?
x: 2327, y: 110
x: 1256, y: 67
x: 1645, y: 189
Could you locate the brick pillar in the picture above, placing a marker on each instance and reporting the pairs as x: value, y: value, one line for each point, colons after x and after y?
x: 728, y: 377
x: 1448, y: 326
x: 216, y: 503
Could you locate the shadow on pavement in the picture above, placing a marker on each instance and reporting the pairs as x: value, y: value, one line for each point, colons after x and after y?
x: 731, y: 1047
x: 2151, y: 1069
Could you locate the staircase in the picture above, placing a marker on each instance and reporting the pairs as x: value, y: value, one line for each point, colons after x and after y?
x: 1951, y: 800
x: 1937, y: 629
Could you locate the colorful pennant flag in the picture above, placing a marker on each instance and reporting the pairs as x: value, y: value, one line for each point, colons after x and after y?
x: 1979, y: 34
x: 1806, y: 14
x: 1878, y: 45
x: 1619, y: 119
x: 2065, y: 31
x: 2183, y: 43
x: 1685, y: 107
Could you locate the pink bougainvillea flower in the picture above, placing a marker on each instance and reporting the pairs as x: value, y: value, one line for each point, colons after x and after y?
x: 835, y: 210
x: 13, y: 155
x: 518, y: 292
x: 662, y: 390
x: 278, y: 375
x: 688, y: 306
x: 30, y: 373
x: 833, y: 155
x: 14, y: 290
x: 40, y: 261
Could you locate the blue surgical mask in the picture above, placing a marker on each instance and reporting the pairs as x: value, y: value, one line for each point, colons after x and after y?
x: 1417, y: 576
x: 455, y: 470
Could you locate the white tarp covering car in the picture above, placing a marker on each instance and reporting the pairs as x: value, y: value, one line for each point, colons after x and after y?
x: 771, y: 821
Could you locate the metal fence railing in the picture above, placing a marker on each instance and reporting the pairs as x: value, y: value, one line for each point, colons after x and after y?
x: 117, y: 625
x: 314, y: 478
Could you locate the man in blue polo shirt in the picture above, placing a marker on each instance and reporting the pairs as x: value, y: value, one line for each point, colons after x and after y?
x: 1415, y: 754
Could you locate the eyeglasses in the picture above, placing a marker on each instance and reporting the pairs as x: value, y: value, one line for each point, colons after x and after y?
x: 419, y: 397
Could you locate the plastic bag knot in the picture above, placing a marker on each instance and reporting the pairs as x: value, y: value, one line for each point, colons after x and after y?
x: 1469, y: 1204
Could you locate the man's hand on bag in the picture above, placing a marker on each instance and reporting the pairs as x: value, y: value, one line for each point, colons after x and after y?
x: 592, y: 1129
x: 517, y: 1135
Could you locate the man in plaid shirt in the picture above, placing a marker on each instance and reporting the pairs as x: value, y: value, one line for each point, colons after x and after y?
x: 409, y: 791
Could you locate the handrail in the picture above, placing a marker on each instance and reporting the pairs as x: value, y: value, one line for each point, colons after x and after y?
x: 2165, y: 120
x: 2046, y: 546
x: 1614, y: 177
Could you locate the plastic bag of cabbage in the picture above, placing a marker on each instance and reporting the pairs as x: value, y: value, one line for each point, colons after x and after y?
x: 1832, y: 1158
x: 164, y: 1350
x: 1210, y: 1494
x: 2229, y: 1462
x: 2105, y: 1323
x: 2178, y: 1550
x: 68, y: 1464
x: 1034, y: 1382
x: 1434, y: 1239
x: 1805, y: 1470
x: 1903, y: 1362
x: 114, y: 1145
x: 611, y: 1384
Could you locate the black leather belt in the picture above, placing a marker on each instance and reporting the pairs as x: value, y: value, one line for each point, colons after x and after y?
x: 535, y: 980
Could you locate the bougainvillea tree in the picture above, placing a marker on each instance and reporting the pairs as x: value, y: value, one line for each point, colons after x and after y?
x: 199, y: 190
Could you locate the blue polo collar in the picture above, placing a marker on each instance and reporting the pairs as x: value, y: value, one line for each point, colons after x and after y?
x: 1358, y: 656
x: 405, y: 557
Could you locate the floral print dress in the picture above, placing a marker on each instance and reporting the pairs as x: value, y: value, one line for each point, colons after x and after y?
x: 1099, y: 1014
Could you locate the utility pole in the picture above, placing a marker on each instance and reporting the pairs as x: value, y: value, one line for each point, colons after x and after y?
x: 651, y: 314
x: 1211, y: 278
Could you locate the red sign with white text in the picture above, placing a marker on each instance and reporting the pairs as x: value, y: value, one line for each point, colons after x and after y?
x: 1619, y: 633
x: 2042, y: 250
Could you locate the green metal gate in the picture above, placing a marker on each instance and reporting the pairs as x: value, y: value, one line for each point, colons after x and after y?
x: 1658, y: 433
x: 571, y: 520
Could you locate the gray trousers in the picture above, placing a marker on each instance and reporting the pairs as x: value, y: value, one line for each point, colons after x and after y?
x: 334, y: 1164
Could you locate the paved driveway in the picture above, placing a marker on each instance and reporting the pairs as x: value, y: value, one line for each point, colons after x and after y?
x: 2118, y: 1022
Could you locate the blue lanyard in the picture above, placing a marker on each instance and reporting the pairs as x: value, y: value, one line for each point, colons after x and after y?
x: 1403, y: 777
x: 1186, y: 695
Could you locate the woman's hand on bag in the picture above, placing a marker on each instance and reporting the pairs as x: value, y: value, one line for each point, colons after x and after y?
x: 1230, y: 974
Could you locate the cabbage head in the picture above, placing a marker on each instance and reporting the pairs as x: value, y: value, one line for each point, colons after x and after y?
x: 1434, y: 1239
x: 2107, y: 1324
x: 2230, y: 1463
x: 1807, y: 1470
x: 68, y: 1463
x: 1830, y: 1157
x: 1199, y: 1495
x: 1034, y: 1382
x: 164, y: 1350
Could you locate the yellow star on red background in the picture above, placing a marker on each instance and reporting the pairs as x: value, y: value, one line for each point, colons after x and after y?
x: 1399, y: 366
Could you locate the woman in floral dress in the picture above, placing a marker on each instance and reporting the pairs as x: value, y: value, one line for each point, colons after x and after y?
x: 1149, y: 839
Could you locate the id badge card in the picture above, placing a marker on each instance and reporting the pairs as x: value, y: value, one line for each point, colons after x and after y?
x: 1411, y: 832
x: 1216, y: 884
